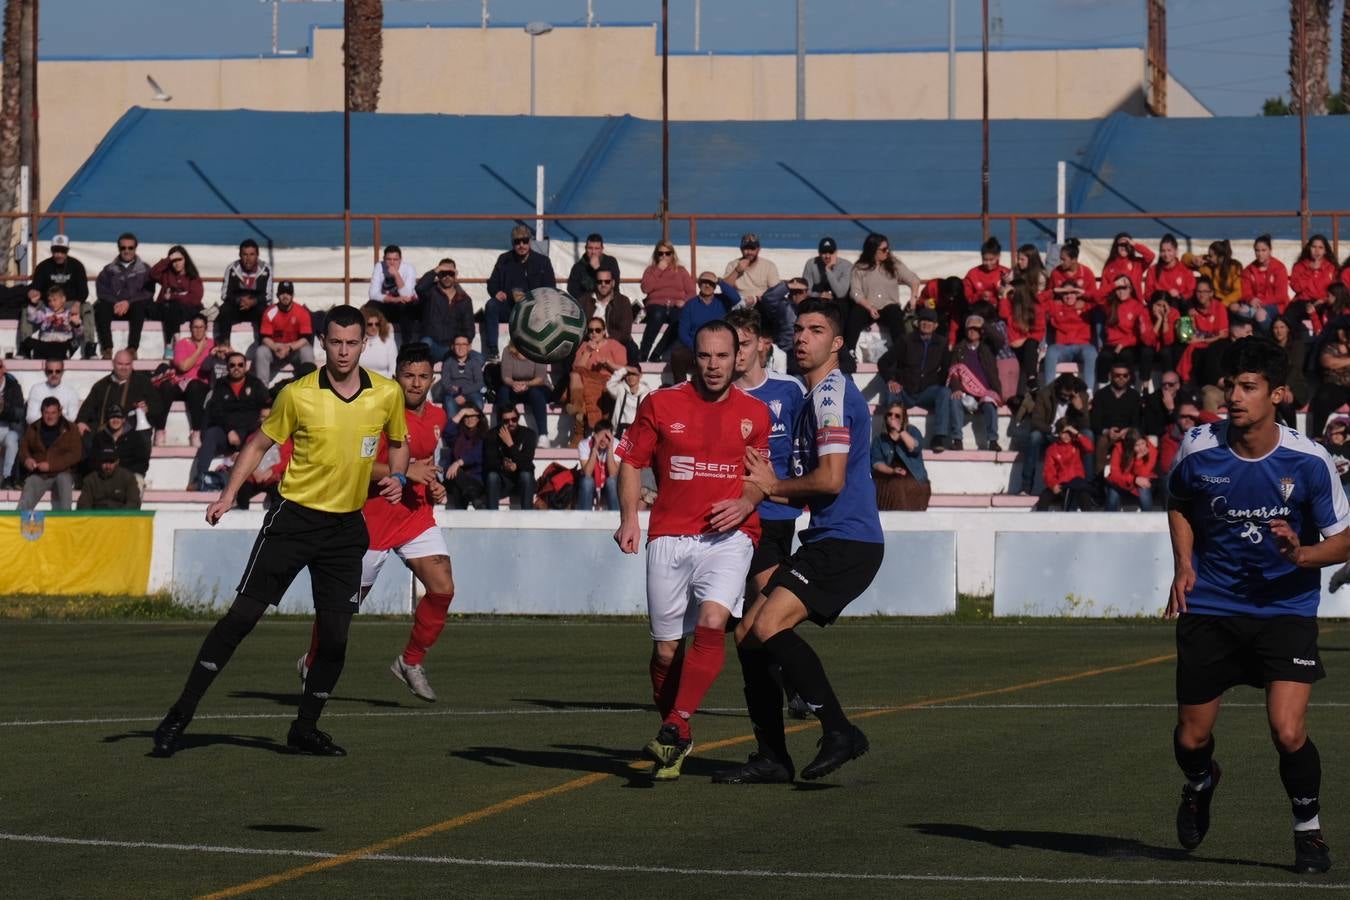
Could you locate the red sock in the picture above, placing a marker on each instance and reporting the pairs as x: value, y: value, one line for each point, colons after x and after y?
x: 697, y: 675
x: 665, y: 682
x: 427, y: 625
x: 313, y: 645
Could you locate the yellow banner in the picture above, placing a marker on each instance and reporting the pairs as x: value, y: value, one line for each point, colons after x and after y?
x: 68, y: 553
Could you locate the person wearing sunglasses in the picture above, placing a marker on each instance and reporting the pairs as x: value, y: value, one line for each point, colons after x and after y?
x: 65, y: 270
x: 897, y: 463
x: 596, y: 359
x: 53, y: 371
x: 586, y: 270
x: 666, y: 285
x: 12, y: 425
x: 234, y: 410
x: 180, y: 294
x: 124, y: 288
x: 516, y: 272
x: 447, y: 310
x: 607, y: 302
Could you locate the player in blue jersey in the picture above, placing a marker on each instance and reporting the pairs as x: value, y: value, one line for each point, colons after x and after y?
x: 840, y: 554
x: 1248, y: 501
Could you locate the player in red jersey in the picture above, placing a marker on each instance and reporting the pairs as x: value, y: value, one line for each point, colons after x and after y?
x: 409, y: 528
x: 702, y: 532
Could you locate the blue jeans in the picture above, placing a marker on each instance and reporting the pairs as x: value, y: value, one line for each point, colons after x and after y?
x: 656, y: 317
x: 438, y: 350
x: 505, y: 484
x: 1083, y: 354
x: 495, y: 312
x: 948, y: 414
x: 536, y: 398
x: 989, y: 413
x: 609, y: 495
x: 1114, y: 496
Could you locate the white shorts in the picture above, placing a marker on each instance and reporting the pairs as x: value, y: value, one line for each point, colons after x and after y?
x: 684, y: 571
x: 429, y: 543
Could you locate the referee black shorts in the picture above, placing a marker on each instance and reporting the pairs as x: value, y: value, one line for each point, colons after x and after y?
x: 827, y: 575
x: 775, y: 544
x: 1215, y: 653
x: 294, y: 537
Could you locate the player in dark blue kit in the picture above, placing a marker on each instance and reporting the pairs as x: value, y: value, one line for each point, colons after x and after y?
x: 839, y: 556
x: 1249, y: 499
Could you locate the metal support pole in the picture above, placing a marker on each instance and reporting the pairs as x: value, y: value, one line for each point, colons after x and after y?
x: 539, y: 203
x: 346, y: 162
x: 532, y: 40
x: 951, y: 59
x: 984, y: 116
x: 35, y: 182
x: 1303, y: 119
x: 698, y: 22
x: 801, y: 60
x: 1062, y: 201
x: 665, y: 120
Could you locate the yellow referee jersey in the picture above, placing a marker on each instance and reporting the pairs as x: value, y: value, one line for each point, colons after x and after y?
x: 335, y: 439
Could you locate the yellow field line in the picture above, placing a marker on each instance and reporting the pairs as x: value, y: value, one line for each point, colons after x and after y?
x: 596, y: 777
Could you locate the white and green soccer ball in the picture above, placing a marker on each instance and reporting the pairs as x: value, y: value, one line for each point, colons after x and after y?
x: 548, y: 325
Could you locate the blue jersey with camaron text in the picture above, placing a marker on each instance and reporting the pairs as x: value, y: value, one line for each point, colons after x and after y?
x: 1238, y: 567
x: 835, y: 419
x: 784, y: 396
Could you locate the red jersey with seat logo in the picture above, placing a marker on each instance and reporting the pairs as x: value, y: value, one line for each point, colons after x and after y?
x: 697, y: 450
x: 286, y: 326
x: 395, y: 524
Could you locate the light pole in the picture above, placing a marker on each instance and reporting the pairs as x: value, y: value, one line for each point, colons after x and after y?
x: 534, y: 29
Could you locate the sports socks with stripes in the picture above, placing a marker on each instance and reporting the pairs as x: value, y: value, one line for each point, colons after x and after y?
x: 216, y: 650
x: 332, y: 627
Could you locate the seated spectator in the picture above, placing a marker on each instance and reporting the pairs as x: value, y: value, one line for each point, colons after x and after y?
x: 516, y: 272
x: 585, y: 274
x: 1169, y: 274
x: 54, y: 370
x: 874, y: 288
x: 595, y: 360
x: 56, y: 331
x: 1265, y: 282
x: 715, y: 298
x: 64, y: 271
x: 381, y: 350
x: 1167, y: 347
x: 245, y: 291
x: 126, y: 388
x: 608, y: 303
x: 986, y: 280
x: 1333, y: 366
x: 755, y: 278
x: 180, y: 294
x: 189, y: 380
x: 897, y: 463
x: 1028, y: 266
x: 463, y: 444
x: 1224, y: 272
x: 462, y: 382
x: 1065, y: 398
x: 598, y: 475
x: 523, y: 381
x: 108, y: 486
x: 828, y: 275
x: 123, y: 290
x: 1129, y: 259
x: 1185, y: 416
x: 393, y: 291
x: 447, y: 311
x: 287, y: 336
x: 1133, y: 463
x: 1336, y: 439
x: 1129, y: 334
x: 1073, y: 289
x: 1066, y: 484
x: 1160, y: 406
x: 915, y: 371
x: 50, y: 453
x: 627, y: 392
x: 973, y: 379
x: 1207, y: 372
x: 508, y: 460
x: 1022, y: 312
x: 666, y: 285
x: 234, y: 410
x: 1314, y: 272
x: 12, y: 426
x: 1283, y: 334
x: 947, y: 296
x: 1116, y: 410
x: 1209, y: 322
x: 132, y: 446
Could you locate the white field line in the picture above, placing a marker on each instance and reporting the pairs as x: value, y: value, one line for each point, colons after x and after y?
x: 1302, y: 884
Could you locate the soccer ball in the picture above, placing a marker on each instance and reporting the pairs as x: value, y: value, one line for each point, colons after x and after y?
x: 547, y: 325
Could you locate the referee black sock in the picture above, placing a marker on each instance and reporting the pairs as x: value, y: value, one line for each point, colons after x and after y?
x: 1301, y: 773
x: 217, y: 649
x: 328, y: 659
x: 803, y: 669
x: 763, y: 700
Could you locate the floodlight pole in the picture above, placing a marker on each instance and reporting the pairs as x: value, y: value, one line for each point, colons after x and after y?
x: 801, y: 60
x: 665, y: 120
x: 346, y: 159
x: 35, y: 193
x: 1303, y: 215
x: 984, y: 116
x: 951, y: 59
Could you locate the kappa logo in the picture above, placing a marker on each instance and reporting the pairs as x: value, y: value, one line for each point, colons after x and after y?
x: 799, y: 576
x: 677, y: 428
x: 1216, y: 479
x: 1299, y: 661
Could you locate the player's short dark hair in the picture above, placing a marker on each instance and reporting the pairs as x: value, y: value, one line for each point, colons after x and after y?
x: 716, y: 325
x: 1259, y: 356
x: 248, y: 244
x: 746, y: 318
x: 410, y: 354
x: 822, y: 308
x: 344, y: 317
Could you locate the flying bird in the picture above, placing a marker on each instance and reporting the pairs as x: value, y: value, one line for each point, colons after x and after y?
x: 160, y: 95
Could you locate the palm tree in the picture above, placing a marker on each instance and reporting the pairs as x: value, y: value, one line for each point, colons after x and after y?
x: 11, y: 95
x: 363, y: 48
x: 1345, y: 54
x: 1308, y: 59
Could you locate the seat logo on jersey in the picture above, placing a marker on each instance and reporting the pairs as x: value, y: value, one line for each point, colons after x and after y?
x: 686, y: 468
x: 1286, y: 488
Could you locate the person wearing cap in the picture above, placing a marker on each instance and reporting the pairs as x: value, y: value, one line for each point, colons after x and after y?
x: 516, y: 272
x: 826, y: 273
x: 65, y: 270
x: 132, y: 446
x: 973, y: 378
x: 751, y: 273
x: 108, y: 486
x: 245, y: 290
x: 50, y: 451
x: 915, y: 373
x: 287, y: 335
x: 180, y: 293
x: 124, y: 290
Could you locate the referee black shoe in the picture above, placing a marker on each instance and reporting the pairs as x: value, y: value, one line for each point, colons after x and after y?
x: 313, y: 742
x: 761, y: 768
x: 836, y: 748
x: 1311, y: 854
x: 1193, y: 813
x: 169, y: 732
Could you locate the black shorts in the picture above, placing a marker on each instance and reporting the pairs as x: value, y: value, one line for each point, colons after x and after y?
x: 775, y: 544
x: 293, y: 537
x: 827, y: 575
x: 1215, y: 653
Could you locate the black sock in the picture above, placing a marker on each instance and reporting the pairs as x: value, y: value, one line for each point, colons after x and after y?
x: 1195, y: 764
x: 328, y: 659
x: 217, y: 649
x: 802, y: 668
x: 1301, y: 773
x: 763, y: 700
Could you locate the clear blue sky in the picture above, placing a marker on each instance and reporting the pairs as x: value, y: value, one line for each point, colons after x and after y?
x: 1231, y: 53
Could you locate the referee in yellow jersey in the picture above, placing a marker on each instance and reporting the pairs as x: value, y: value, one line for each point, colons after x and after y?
x: 335, y: 416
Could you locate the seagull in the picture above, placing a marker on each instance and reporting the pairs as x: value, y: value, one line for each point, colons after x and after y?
x: 159, y: 91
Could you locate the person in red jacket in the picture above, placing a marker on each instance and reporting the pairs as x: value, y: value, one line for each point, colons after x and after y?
x: 1314, y: 272
x: 1345, y: 273
x: 1210, y: 318
x: 1024, y: 318
x: 984, y: 281
x: 1170, y: 274
x: 1072, y: 290
x: 1066, y: 483
x: 1265, y: 282
x: 1129, y: 337
x: 1133, y: 461
x: 1163, y: 318
x: 1129, y: 259
x: 180, y: 294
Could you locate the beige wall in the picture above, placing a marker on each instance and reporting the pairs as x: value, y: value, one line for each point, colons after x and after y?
x: 587, y: 72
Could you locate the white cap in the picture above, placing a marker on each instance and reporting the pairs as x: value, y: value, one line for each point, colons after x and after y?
x: 61, y: 241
